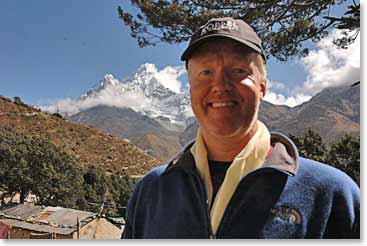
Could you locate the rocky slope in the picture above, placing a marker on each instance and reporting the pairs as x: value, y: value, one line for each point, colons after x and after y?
x: 139, y: 129
x: 332, y: 113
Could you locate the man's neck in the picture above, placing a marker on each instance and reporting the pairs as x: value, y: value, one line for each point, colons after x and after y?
x: 223, y: 148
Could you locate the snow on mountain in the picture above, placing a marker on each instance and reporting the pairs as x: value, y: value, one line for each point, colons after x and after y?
x: 108, y: 80
x: 149, y: 79
x: 155, y: 93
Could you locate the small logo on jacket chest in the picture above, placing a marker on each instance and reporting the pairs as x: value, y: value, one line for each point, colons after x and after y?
x: 286, y: 214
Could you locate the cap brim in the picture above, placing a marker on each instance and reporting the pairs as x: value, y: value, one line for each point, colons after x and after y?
x: 200, y: 41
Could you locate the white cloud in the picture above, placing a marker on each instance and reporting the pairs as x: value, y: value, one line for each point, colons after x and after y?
x: 279, y: 99
x: 273, y: 96
x: 330, y: 66
x: 271, y: 84
x: 110, y: 96
x: 326, y: 66
x: 169, y: 77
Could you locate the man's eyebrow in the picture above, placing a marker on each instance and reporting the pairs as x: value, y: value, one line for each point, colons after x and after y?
x: 242, y: 61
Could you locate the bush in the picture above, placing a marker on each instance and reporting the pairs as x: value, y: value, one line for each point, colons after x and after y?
x: 34, y: 165
x: 18, y: 101
x: 111, y: 189
x: 58, y: 115
x: 344, y: 154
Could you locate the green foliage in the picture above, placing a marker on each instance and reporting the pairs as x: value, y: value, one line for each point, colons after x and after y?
x: 114, y: 190
x: 282, y: 25
x: 18, y: 100
x: 29, y: 164
x: 123, y: 187
x: 311, y: 145
x: 33, y: 165
x: 344, y: 154
x: 350, y: 24
x: 96, y: 185
x: 58, y: 115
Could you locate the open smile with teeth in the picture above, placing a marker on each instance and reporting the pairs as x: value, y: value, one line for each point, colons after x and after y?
x: 222, y: 104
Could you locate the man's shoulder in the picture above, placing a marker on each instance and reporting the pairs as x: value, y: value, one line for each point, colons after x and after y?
x: 148, y: 182
x: 311, y: 172
x: 182, y: 161
x: 324, y: 175
x: 154, y: 173
x: 320, y: 169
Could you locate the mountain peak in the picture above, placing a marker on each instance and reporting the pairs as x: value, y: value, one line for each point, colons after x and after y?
x: 108, y: 79
x: 152, y: 92
x: 147, y: 68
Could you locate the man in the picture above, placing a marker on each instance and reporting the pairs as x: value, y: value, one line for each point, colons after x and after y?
x: 237, y: 180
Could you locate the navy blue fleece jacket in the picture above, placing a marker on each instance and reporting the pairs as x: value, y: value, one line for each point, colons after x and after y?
x: 289, y: 197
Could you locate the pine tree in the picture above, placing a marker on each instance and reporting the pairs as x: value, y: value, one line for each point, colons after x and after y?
x: 310, y: 145
x: 345, y: 155
x: 283, y: 25
x: 34, y: 165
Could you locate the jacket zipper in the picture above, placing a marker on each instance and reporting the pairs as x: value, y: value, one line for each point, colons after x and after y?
x: 254, y: 172
x: 206, y: 202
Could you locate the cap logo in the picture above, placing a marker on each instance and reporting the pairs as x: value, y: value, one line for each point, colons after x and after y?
x: 219, y: 25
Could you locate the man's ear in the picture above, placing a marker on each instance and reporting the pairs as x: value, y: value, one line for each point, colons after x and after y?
x: 263, y: 89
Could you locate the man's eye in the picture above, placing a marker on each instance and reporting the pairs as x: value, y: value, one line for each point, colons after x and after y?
x: 205, y: 73
x: 239, y: 71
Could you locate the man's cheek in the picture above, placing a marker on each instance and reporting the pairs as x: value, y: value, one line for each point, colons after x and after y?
x: 248, y: 82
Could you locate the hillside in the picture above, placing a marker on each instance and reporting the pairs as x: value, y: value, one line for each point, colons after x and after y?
x: 332, y: 113
x: 139, y: 129
x: 90, y: 146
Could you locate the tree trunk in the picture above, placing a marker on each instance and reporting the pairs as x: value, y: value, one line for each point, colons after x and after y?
x: 22, y: 197
x: 2, y: 200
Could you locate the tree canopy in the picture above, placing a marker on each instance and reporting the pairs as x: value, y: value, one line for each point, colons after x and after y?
x: 34, y: 165
x: 343, y: 154
x: 283, y: 25
x: 310, y: 145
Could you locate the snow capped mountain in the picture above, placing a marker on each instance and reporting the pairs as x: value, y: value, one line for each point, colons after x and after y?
x: 108, y: 80
x: 155, y: 93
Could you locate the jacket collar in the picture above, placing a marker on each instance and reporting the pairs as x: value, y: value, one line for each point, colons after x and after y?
x: 284, y: 156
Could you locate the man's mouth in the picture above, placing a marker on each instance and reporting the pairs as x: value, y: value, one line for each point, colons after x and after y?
x: 222, y: 104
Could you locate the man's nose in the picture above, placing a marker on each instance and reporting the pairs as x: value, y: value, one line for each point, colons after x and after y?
x: 222, y: 82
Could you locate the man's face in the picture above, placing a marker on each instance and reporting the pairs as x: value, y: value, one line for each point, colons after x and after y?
x: 226, y: 87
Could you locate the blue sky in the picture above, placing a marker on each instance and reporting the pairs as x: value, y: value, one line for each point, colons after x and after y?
x: 50, y: 50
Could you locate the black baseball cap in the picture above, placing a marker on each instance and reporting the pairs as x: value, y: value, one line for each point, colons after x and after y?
x: 228, y: 27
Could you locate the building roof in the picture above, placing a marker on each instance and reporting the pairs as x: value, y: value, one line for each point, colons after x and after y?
x: 45, y: 219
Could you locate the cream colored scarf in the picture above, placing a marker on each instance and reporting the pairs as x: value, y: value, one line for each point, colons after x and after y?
x: 249, y: 159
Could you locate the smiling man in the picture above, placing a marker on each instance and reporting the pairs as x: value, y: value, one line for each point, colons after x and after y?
x: 237, y: 180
